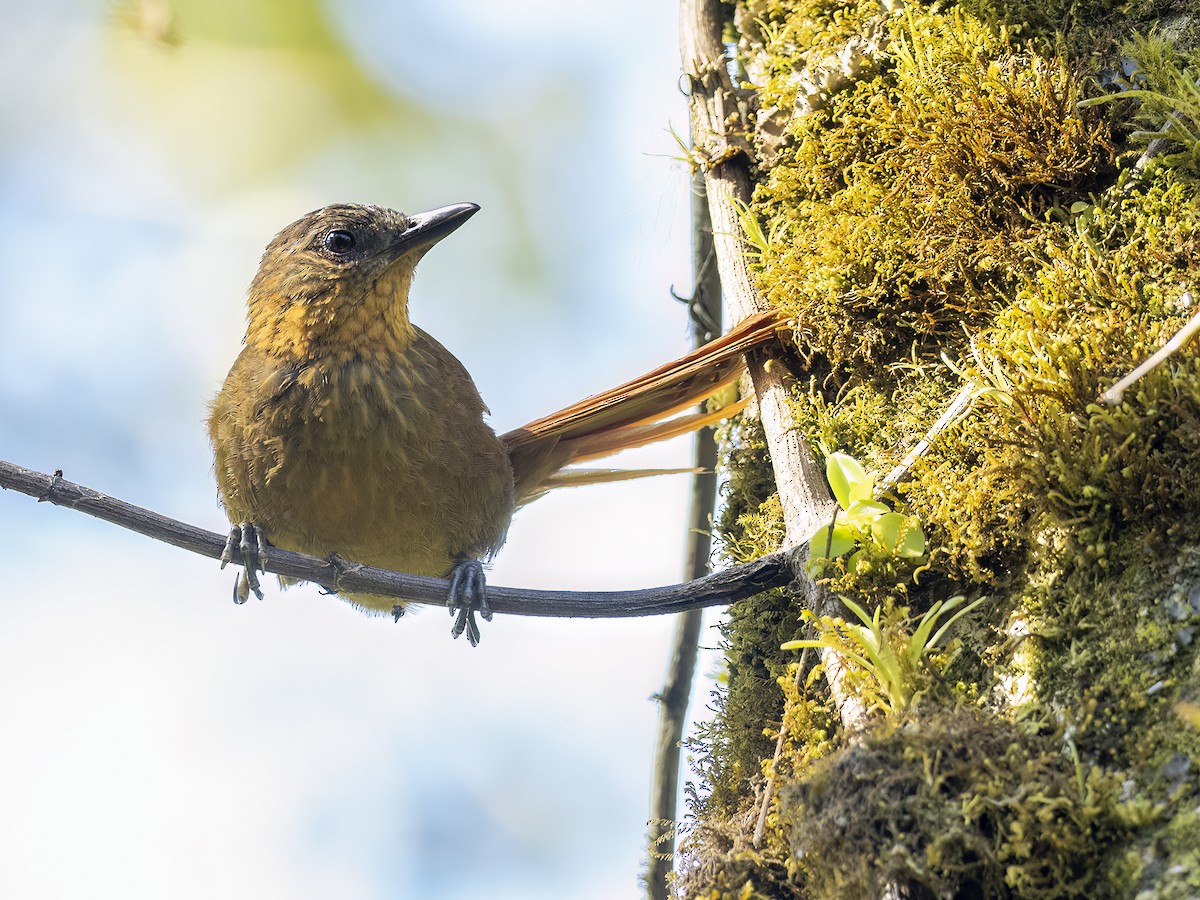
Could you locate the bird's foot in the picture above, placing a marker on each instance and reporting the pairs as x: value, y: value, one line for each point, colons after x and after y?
x: 468, y: 595
x: 248, y: 542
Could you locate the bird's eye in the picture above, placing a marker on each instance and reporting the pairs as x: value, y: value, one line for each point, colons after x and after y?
x: 339, y: 242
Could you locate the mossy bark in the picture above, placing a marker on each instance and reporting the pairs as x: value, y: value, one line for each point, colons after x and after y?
x: 942, y: 204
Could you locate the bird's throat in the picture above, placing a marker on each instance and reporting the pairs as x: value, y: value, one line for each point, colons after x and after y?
x: 338, y: 317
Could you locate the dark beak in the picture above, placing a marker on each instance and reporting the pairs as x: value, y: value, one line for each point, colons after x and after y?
x: 427, y: 228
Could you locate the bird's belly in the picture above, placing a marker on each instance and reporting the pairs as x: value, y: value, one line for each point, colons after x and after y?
x: 397, y: 500
x: 370, y: 509
x: 413, y: 509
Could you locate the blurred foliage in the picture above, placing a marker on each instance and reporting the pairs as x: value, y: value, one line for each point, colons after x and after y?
x: 243, y: 90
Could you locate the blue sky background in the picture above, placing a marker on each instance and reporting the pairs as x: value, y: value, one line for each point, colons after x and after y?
x: 156, y: 740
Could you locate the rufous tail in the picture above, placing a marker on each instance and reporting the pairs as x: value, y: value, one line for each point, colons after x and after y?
x: 638, y: 412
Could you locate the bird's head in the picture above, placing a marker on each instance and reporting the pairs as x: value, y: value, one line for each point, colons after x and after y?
x: 337, y: 280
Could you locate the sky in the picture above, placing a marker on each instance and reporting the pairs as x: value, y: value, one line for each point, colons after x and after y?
x: 157, y: 740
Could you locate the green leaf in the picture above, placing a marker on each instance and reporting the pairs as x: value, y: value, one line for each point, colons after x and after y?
x: 886, y: 530
x: 843, y: 542
x: 912, y: 541
x: 827, y: 645
x: 941, y: 632
x: 918, y: 644
x: 864, y: 512
x: 861, y: 613
x: 845, y: 477
x: 863, y: 490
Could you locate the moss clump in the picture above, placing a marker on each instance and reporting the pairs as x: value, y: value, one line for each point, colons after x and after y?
x: 906, y: 203
x: 718, y: 857
x: 957, y: 802
x: 1089, y: 313
x: 1039, y: 450
x: 720, y: 863
x: 1082, y: 28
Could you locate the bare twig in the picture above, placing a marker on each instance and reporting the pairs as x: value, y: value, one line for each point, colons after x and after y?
x: 1115, y: 395
x: 958, y: 408
x: 342, y: 576
x: 705, y: 314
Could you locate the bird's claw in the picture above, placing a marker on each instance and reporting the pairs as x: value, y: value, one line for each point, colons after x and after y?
x: 468, y: 595
x: 248, y: 542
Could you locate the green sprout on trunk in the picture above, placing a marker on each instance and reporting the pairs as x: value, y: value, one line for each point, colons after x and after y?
x: 891, y: 657
x: 862, y: 520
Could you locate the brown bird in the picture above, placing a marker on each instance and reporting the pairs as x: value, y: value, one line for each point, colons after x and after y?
x: 343, y: 428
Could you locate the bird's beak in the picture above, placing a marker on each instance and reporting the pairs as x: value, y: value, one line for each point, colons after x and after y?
x: 427, y: 228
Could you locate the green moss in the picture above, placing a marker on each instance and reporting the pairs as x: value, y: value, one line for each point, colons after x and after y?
x: 718, y: 858
x: 907, y: 202
x: 751, y: 520
x: 1173, y: 868
x: 728, y: 751
x: 956, y: 202
x: 1161, y: 90
x: 1113, y: 646
x: 1082, y: 26
x: 960, y: 803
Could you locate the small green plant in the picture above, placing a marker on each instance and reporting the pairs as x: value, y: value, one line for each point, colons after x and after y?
x: 888, y: 654
x: 757, y: 240
x: 862, y: 519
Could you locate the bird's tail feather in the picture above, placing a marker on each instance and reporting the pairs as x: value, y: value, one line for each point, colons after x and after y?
x: 639, y: 412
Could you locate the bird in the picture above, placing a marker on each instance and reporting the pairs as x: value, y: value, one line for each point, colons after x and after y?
x: 343, y: 428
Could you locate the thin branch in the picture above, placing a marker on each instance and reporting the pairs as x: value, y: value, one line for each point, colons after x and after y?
x: 343, y: 576
x: 705, y: 315
x: 1115, y: 395
x: 719, y: 129
x: 956, y: 410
